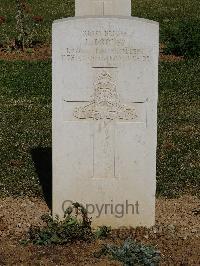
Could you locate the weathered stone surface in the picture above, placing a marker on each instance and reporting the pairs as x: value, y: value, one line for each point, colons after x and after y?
x: 103, y: 7
x: 105, y: 81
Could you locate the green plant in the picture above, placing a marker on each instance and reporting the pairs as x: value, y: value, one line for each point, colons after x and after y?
x: 103, y: 231
x: 131, y: 253
x: 75, y: 226
x: 184, y: 39
x: 25, y: 26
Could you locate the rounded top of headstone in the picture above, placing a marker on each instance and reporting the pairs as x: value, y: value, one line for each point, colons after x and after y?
x: 105, y: 18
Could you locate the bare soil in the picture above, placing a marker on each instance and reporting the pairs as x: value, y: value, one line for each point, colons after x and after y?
x: 170, y: 58
x: 32, y: 54
x: 176, y: 234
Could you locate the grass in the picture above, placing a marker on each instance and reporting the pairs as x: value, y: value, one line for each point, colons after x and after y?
x: 178, y: 168
x: 48, y: 9
x: 25, y: 103
x: 25, y: 110
x: 167, y: 12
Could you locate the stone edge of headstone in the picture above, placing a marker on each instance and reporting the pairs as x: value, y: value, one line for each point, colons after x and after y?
x: 105, y: 17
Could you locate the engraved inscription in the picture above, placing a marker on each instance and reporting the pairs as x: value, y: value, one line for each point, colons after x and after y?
x: 106, y: 102
x: 105, y: 46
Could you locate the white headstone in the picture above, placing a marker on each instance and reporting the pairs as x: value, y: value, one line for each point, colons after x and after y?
x: 105, y: 83
x: 103, y: 7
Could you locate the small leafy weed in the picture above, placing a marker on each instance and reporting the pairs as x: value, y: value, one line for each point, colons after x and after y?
x: 103, y: 232
x: 131, y: 253
x: 75, y: 226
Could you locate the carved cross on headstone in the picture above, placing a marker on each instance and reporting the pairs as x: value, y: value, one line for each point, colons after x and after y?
x: 103, y: 7
x: 101, y: 108
x: 103, y: 111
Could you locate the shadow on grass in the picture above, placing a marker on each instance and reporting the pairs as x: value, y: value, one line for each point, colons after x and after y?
x: 42, y: 158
